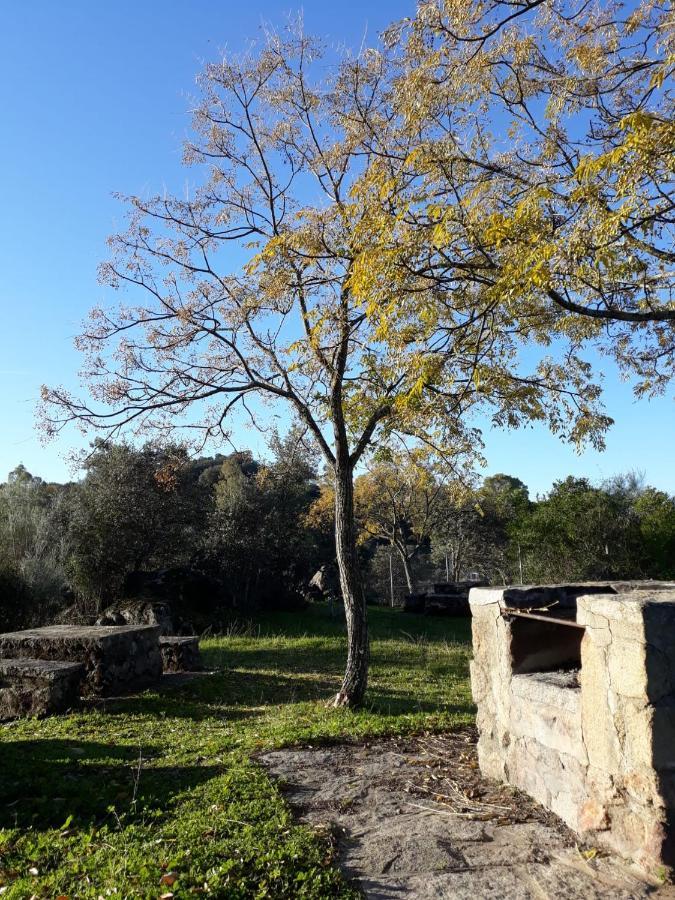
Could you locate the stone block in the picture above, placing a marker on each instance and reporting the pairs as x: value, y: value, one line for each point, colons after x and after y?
x: 551, y: 726
x: 600, y: 753
x: 598, y: 730
x: 37, y: 687
x: 180, y: 654
x: 115, y: 659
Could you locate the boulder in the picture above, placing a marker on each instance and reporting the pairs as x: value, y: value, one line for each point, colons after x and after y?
x: 139, y: 612
x: 324, y: 584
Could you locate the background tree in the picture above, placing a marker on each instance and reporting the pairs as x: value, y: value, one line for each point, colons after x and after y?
x: 257, y: 541
x: 135, y: 509
x: 259, y: 284
x: 33, y: 547
x: 397, y: 501
x: 471, y: 534
x: 578, y: 532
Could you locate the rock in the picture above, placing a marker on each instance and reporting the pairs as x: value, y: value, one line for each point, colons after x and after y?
x: 414, y: 603
x: 36, y: 687
x: 139, y: 612
x: 399, y: 838
x: 447, y: 599
x: 324, y: 584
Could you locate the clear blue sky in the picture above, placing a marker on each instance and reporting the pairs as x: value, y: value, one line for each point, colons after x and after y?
x: 94, y: 99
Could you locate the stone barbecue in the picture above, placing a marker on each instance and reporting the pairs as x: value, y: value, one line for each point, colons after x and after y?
x: 575, y: 689
x: 115, y: 659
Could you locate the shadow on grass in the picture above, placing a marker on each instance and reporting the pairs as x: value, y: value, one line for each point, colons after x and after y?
x: 237, y: 695
x: 45, y: 782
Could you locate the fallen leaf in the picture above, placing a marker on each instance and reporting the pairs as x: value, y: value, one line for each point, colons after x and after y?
x: 169, y: 879
x: 33, y: 871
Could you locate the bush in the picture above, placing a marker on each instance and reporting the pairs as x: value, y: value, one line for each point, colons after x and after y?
x: 16, y: 605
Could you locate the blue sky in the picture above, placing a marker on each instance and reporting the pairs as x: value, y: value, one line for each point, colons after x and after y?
x: 94, y: 99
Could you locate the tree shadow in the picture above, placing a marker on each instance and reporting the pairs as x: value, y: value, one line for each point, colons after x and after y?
x: 235, y: 694
x: 239, y: 694
x: 44, y: 783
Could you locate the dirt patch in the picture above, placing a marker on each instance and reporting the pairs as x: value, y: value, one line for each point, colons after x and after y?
x: 414, y: 818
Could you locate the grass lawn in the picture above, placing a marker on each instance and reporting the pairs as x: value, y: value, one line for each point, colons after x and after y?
x: 158, y: 794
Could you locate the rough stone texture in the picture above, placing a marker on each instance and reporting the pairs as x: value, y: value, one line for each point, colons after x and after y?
x: 180, y: 654
x: 36, y: 687
x: 597, y: 744
x: 414, y: 819
x: 139, y: 612
x: 115, y: 659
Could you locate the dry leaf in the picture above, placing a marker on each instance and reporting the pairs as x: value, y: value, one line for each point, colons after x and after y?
x: 169, y: 879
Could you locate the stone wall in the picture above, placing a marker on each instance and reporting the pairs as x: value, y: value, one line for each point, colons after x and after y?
x: 596, y: 747
x: 37, y: 687
x: 115, y: 659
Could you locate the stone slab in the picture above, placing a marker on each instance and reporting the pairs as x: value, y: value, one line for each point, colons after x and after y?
x: 115, y: 658
x: 37, y: 687
x: 556, y: 689
x: 180, y: 654
x: 402, y: 834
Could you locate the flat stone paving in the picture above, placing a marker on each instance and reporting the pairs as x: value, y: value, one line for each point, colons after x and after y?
x: 413, y: 818
x: 115, y: 658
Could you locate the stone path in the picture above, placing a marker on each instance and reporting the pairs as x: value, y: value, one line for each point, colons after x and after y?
x: 413, y: 818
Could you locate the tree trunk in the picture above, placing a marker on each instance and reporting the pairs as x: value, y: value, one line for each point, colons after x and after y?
x: 356, y: 674
x: 407, y: 568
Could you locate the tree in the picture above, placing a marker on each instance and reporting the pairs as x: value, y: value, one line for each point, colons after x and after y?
x: 135, y: 508
x: 269, y: 281
x: 33, y: 546
x: 397, y: 501
x: 655, y: 511
x: 257, y: 541
x: 472, y: 529
x: 579, y: 532
x: 542, y: 174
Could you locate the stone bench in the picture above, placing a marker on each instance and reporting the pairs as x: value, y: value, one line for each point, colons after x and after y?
x: 180, y: 654
x: 115, y: 659
x: 38, y: 687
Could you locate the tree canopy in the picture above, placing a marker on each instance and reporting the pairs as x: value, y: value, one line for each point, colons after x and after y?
x: 361, y: 247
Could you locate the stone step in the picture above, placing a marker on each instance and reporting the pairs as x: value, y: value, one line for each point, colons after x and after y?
x: 180, y: 654
x: 116, y: 659
x: 38, y: 687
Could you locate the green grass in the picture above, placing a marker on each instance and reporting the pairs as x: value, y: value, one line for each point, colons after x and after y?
x: 108, y: 801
